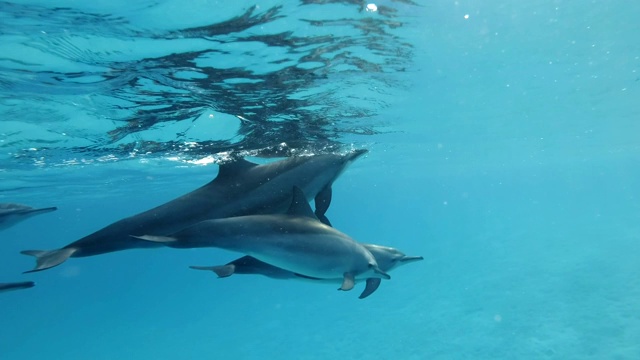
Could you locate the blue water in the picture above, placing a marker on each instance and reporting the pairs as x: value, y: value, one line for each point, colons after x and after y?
x: 503, y: 149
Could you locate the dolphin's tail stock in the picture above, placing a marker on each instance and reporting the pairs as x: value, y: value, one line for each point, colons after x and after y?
x: 221, y: 271
x: 48, y: 259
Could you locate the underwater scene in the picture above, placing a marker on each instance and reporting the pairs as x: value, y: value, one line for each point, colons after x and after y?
x: 319, y: 179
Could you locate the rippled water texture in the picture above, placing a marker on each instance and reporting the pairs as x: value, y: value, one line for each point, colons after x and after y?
x: 106, y: 82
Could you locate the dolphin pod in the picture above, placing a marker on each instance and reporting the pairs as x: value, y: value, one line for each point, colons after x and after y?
x: 295, y: 241
x: 240, y: 188
x: 11, y: 214
x: 259, y: 210
x: 388, y: 258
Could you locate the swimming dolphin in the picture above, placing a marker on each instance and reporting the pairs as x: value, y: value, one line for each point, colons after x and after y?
x: 240, y: 188
x: 388, y: 258
x: 11, y: 214
x: 16, y: 286
x: 296, y: 241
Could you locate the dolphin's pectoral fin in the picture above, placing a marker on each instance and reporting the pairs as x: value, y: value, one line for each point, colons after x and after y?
x: 323, y: 200
x: 222, y: 270
x: 372, y: 285
x: 379, y: 272
x: 49, y: 259
x: 348, y: 282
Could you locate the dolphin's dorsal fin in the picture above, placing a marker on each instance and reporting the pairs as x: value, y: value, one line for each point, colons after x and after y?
x: 234, y: 168
x: 299, y: 205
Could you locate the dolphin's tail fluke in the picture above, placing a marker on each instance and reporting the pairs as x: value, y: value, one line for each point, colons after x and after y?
x: 48, y: 259
x: 156, y: 239
x: 221, y: 271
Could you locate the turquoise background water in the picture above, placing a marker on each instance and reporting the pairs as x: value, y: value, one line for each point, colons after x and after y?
x: 507, y: 157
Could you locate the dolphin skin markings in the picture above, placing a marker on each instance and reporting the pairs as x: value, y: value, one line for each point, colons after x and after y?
x: 295, y: 241
x: 11, y: 214
x: 16, y: 286
x: 240, y: 188
x: 388, y: 258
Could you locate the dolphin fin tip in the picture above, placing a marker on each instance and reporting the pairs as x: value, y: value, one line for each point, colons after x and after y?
x: 323, y: 219
x: 372, y: 285
x: 33, y: 270
x: 381, y: 273
x: 48, y: 259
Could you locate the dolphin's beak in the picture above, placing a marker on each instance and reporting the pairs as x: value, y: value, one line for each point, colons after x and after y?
x: 408, y: 259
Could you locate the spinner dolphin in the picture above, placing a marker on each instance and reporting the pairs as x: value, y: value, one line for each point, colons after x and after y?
x: 295, y: 241
x: 388, y: 258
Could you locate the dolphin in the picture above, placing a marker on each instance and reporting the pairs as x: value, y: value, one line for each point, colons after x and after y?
x: 295, y: 241
x: 11, y: 214
x: 240, y: 188
x: 388, y: 258
x: 16, y: 286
